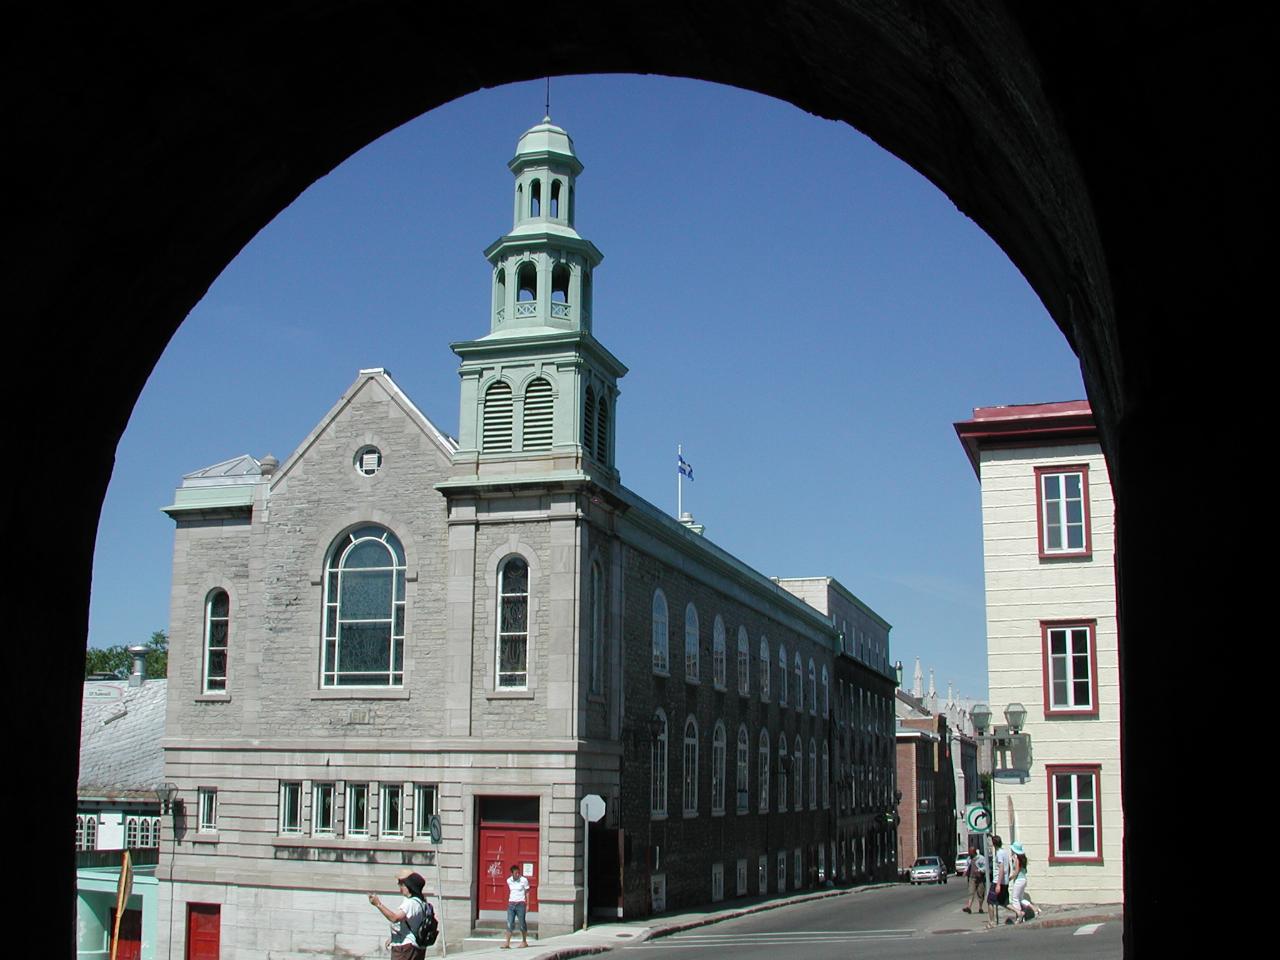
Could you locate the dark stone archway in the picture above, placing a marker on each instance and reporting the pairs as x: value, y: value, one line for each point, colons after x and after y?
x: 1110, y: 152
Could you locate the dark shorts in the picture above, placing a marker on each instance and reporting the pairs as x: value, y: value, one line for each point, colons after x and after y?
x: 515, y: 911
x: 407, y: 951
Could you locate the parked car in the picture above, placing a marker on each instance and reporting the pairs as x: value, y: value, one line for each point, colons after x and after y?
x: 928, y: 870
x: 962, y: 863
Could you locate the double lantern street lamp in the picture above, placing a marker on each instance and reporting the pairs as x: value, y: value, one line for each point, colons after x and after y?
x: 1010, y: 757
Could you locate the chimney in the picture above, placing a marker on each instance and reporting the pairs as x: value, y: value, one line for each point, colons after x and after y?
x: 139, y: 673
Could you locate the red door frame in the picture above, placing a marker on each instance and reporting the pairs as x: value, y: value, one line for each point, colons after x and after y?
x: 515, y: 843
x: 204, y: 931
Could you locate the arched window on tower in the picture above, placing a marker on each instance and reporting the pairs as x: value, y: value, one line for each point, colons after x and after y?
x: 560, y: 283
x: 555, y: 198
x: 535, y: 198
x: 539, y: 415
x: 571, y: 210
x: 497, y: 418
x: 527, y: 282
x: 500, y: 294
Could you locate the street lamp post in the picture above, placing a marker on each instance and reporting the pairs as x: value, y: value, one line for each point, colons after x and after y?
x: 1005, y: 739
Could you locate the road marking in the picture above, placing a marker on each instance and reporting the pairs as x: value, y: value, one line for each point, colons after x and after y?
x: 787, y: 938
x: 1087, y: 929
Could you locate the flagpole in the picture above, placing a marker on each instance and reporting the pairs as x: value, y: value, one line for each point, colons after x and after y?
x: 679, y: 479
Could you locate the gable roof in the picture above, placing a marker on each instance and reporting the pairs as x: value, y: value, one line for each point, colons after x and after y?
x: 446, y: 444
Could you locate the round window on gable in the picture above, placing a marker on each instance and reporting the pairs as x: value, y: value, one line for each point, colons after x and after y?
x: 368, y: 460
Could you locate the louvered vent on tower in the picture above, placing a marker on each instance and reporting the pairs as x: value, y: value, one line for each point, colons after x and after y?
x: 537, y: 415
x: 602, y: 432
x: 497, y: 417
x: 589, y: 423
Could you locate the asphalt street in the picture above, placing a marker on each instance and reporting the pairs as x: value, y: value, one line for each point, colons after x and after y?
x: 893, y: 923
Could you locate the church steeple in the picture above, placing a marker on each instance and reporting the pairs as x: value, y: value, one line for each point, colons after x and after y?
x: 542, y: 268
x: 539, y: 386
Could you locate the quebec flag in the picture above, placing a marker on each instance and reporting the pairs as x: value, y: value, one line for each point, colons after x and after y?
x: 682, y: 466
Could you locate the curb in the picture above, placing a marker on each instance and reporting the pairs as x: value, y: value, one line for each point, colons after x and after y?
x: 1073, y: 921
x: 680, y: 927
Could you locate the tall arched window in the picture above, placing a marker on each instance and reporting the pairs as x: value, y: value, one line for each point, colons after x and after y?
x: 826, y: 693
x: 813, y: 774
x: 744, y: 773
x: 661, y: 661
x: 513, y: 624
x: 560, y: 283
x: 496, y: 425
x: 719, y: 658
x: 798, y: 779
x: 689, y: 786
x: 782, y: 772
x: 217, y: 627
x: 539, y: 415
x: 691, y: 664
x: 765, y: 762
x: 364, y: 606
x: 602, y: 431
x: 799, y: 683
x: 782, y: 675
x: 719, y: 749
x: 535, y: 198
x: 658, y: 767
x: 744, y: 663
x: 813, y: 689
x: 500, y: 293
x: 766, y: 669
x: 597, y: 629
x: 826, y: 774
x: 555, y: 198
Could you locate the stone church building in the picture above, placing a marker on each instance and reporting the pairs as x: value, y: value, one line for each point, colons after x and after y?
x: 393, y: 625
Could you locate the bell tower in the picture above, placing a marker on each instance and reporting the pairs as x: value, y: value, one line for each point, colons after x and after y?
x: 539, y: 392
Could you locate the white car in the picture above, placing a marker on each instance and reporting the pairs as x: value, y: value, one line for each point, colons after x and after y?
x: 928, y: 870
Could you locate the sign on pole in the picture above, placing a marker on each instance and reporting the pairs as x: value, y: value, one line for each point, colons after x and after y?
x: 592, y: 809
x: 977, y: 817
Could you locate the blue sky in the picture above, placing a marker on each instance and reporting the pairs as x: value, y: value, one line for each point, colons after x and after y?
x: 802, y: 311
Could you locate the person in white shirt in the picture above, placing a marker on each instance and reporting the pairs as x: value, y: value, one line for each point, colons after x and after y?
x: 406, y: 918
x: 517, y: 902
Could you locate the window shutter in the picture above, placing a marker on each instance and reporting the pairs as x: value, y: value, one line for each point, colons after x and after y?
x: 538, y: 415
x: 497, y: 417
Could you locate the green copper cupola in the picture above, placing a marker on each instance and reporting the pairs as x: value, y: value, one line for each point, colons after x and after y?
x: 539, y: 392
x: 542, y: 268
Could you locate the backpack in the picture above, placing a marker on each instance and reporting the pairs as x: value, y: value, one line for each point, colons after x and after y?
x: 429, y: 929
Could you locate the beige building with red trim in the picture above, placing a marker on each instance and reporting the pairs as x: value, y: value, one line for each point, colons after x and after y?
x: 1048, y: 532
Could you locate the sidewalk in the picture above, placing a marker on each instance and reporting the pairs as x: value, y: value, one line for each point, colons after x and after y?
x: 604, y: 936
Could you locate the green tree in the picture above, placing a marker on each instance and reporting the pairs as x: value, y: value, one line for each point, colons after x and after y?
x: 118, y: 662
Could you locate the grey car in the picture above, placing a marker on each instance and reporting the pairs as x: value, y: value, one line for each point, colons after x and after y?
x: 928, y: 870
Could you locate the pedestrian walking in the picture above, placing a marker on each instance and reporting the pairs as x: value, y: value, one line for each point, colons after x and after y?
x: 998, y: 881
x: 406, y: 918
x: 517, y: 902
x: 1018, y: 899
x: 975, y: 882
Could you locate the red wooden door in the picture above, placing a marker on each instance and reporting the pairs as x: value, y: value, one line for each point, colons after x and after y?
x: 501, y: 845
x: 130, y: 945
x: 204, y: 925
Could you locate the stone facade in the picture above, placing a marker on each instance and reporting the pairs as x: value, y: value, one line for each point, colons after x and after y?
x: 500, y: 663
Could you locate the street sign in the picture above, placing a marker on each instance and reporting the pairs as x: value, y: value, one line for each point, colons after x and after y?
x: 433, y: 828
x: 977, y: 817
x: 591, y: 807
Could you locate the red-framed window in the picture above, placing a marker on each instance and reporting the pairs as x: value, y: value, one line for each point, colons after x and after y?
x: 1062, y: 511
x: 1070, y: 666
x: 1075, y: 813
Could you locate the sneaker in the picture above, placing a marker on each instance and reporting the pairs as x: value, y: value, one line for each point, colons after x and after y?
x: 1029, y: 914
x: 1009, y: 921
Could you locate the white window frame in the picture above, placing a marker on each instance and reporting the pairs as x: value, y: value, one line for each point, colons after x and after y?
x: 1060, y: 668
x: 1074, y: 814
x: 689, y: 768
x: 318, y: 792
x: 334, y: 623
x: 512, y: 635
x: 692, y: 661
x: 359, y: 822
x: 744, y: 663
x: 797, y: 779
x: 719, y: 655
x: 206, y: 809
x: 743, y: 798
x: 765, y: 762
x: 719, y: 750
x: 783, y: 667
x: 426, y: 804
x: 766, y: 669
x: 783, y: 762
x: 660, y: 634
x: 813, y: 774
x: 1054, y: 511
x: 217, y: 635
x: 799, y: 667
x: 290, y: 819
x: 391, y: 810
x: 658, y: 767
x: 813, y: 689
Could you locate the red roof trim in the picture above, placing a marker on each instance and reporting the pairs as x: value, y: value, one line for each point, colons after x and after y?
x: 1030, y: 424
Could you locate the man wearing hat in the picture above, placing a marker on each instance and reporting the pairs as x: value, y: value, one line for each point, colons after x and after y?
x: 406, y: 918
